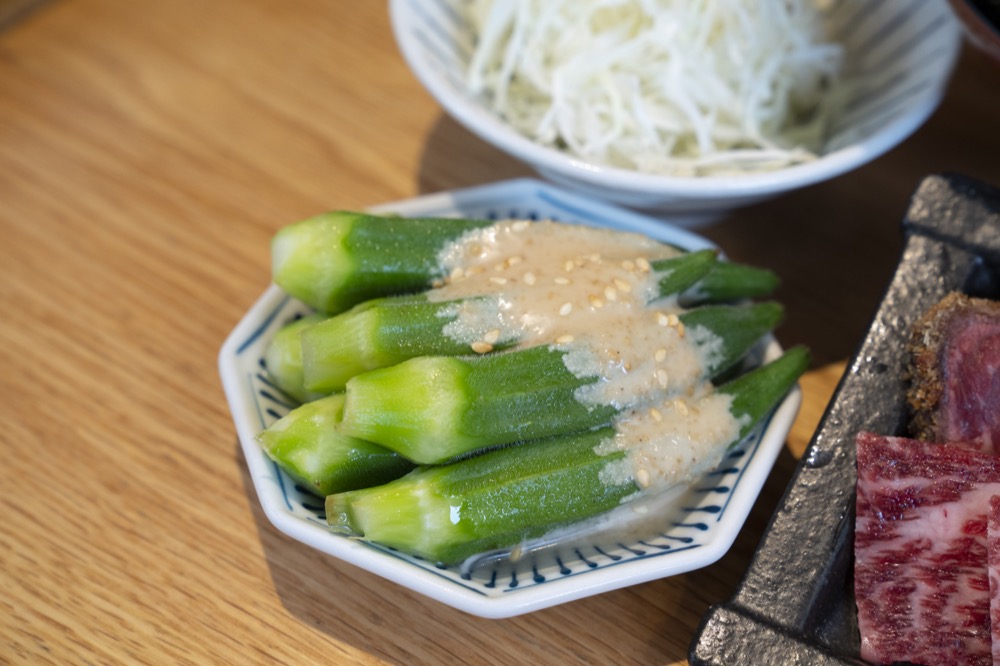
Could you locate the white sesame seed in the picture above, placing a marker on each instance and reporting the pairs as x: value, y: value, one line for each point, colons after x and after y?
x: 610, y: 293
x: 662, y: 319
x: 655, y: 413
x: 564, y: 339
x: 628, y: 265
x: 561, y: 280
x: 457, y: 273
x: 623, y: 285
x: 566, y: 309
x: 680, y: 329
x: 662, y: 378
x: 492, y: 336
x: 596, y: 301
x: 568, y: 266
x: 529, y: 278
x: 643, y: 264
x: 520, y: 225
x: 514, y: 261
x: 642, y: 477
x: 498, y: 280
x: 672, y: 319
x: 660, y: 354
x: 481, y: 347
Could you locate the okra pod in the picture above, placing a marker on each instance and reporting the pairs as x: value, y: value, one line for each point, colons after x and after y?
x: 283, y: 358
x: 387, y: 331
x: 341, y: 258
x: 502, y: 497
x: 729, y: 281
x: 307, y: 445
x: 434, y: 408
x: 338, y: 259
x: 382, y: 333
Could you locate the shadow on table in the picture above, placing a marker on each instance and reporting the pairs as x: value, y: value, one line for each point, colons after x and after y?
x: 13, y: 11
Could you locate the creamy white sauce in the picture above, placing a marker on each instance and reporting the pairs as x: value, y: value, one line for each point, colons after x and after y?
x: 673, y: 442
x: 591, y: 292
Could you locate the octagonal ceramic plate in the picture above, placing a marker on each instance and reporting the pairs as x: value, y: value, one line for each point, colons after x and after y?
x: 690, y: 529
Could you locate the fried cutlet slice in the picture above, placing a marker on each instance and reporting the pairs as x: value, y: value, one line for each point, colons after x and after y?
x: 954, y: 383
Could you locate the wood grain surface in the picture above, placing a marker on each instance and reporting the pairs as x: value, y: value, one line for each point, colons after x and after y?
x: 148, y: 152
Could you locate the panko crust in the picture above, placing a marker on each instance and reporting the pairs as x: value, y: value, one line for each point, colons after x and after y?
x: 926, y: 372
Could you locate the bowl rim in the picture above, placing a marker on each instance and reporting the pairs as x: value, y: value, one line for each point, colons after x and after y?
x: 488, y: 127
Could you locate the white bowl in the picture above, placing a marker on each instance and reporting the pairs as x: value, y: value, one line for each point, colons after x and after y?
x: 899, y: 56
x: 691, y: 530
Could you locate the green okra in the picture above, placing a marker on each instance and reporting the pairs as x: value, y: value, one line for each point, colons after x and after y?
x: 338, y: 259
x: 431, y: 409
x: 283, y: 358
x: 307, y: 445
x: 381, y: 333
x: 676, y: 274
x: 387, y: 331
x: 729, y: 281
x: 502, y: 497
x: 341, y: 258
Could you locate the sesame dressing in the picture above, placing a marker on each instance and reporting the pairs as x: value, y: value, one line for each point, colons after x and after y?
x: 593, y: 294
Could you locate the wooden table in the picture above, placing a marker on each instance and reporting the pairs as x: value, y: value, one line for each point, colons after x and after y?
x: 148, y: 151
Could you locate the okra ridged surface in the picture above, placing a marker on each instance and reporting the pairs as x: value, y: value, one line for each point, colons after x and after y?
x: 498, y: 499
x: 431, y: 409
x: 531, y: 374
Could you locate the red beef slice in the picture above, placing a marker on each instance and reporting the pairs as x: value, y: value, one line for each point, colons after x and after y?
x: 993, y: 524
x: 955, y: 383
x: 921, y: 581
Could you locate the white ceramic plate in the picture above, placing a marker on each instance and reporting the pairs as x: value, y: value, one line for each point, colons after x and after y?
x: 692, y: 530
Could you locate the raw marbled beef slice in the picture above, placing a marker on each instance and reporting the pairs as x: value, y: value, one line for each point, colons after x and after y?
x: 921, y: 581
x: 993, y: 523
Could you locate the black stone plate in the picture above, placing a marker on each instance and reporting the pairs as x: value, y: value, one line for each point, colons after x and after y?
x: 795, y: 604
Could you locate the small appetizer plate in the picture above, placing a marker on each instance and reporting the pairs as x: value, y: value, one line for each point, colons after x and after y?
x: 689, y: 529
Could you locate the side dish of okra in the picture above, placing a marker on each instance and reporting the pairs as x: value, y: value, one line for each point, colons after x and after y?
x: 465, y: 385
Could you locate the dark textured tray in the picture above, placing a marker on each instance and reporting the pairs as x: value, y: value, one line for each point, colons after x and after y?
x: 795, y: 604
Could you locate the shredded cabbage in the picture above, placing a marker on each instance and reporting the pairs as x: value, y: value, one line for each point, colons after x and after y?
x: 678, y: 87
